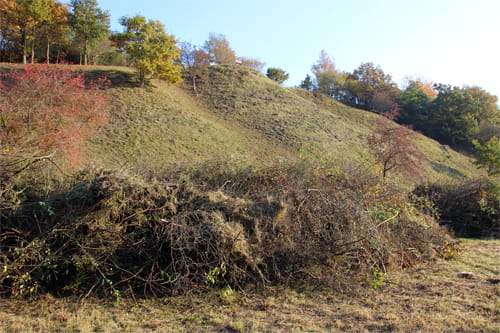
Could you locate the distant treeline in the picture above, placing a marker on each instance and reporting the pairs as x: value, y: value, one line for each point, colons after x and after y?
x: 451, y: 115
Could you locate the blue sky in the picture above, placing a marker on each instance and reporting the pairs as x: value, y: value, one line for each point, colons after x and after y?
x: 446, y: 41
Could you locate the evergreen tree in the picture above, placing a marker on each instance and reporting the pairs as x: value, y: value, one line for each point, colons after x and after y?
x: 307, y: 83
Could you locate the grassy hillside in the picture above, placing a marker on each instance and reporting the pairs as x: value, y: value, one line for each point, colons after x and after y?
x: 240, y: 115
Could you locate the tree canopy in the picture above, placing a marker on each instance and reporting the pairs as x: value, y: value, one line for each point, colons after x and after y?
x: 368, y: 79
x: 153, y: 52
x: 21, y: 22
x: 89, y: 24
x: 218, y: 48
x: 489, y: 155
x: 277, y: 74
x: 327, y: 77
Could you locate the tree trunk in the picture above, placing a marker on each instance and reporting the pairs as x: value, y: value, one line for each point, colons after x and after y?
x: 25, y: 46
x: 85, y: 50
x: 47, y: 55
x: 33, y: 49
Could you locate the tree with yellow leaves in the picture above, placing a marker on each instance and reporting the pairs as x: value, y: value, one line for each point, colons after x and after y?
x: 23, y: 19
x: 152, y: 50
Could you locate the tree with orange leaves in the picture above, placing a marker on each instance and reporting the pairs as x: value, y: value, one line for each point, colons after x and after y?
x: 23, y: 22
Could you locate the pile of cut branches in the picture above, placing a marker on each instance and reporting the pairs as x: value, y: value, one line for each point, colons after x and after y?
x: 108, y: 234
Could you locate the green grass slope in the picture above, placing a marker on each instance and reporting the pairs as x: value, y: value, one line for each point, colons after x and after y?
x: 239, y: 115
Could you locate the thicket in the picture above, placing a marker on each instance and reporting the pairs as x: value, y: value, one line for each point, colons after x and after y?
x: 212, y: 226
x: 470, y: 209
x: 46, y: 113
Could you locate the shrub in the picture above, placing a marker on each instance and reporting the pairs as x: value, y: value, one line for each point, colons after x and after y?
x: 469, y: 209
x: 46, y: 111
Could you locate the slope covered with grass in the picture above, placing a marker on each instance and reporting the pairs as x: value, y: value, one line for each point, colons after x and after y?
x: 239, y: 115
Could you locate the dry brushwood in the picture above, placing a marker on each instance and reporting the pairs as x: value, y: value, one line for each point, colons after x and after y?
x: 119, y: 236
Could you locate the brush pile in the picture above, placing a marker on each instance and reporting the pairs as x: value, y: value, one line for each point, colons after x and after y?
x: 216, y: 226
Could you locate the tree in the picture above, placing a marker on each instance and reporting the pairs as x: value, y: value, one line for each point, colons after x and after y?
x: 277, y: 74
x: 383, y: 103
x: 56, y: 29
x: 46, y: 111
x: 251, y: 63
x: 307, y: 83
x: 195, y: 62
x: 426, y: 86
x: 489, y: 155
x: 153, y: 52
x: 325, y: 73
x: 11, y: 31
x: 105, y: 53
x: 89, y: 24
x: 458, y: 112
x: 415, y: 106
x: 218, y: 48
x: 366, y: 80
x: 393, y: 148
x: 26, y: 17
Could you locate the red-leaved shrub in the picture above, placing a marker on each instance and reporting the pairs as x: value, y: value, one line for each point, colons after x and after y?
x: 48, y: 110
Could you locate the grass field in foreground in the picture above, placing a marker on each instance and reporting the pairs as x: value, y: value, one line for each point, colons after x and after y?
x: 431, y: 297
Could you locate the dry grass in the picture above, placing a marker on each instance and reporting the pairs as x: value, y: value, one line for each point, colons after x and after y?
x: 431, y: 297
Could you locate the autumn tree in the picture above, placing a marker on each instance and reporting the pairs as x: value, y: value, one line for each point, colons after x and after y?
x: 153, y: 52
x: 218, y: 48
x: 89, y: 24
x: 426, y: 86
x: 383, y: 103
x: 254, y: 64
x: 55, y: 31
x: 195, y: 62
x: 10, y: 50
x: 326, y: 74
x: 277, y: 74
x: 46, y: 112
x: 365, y: 81
x: 393, y: 148
x: 26, y: 18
